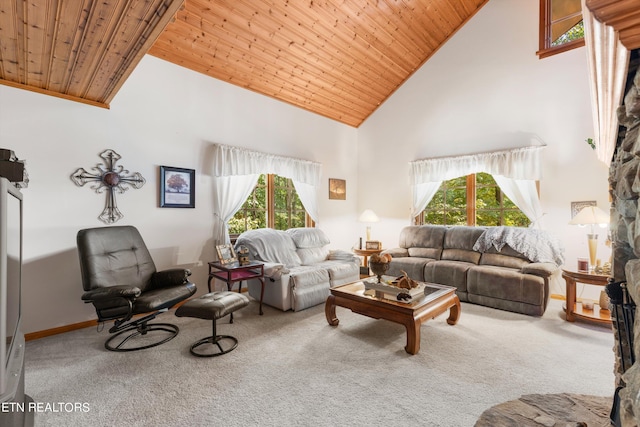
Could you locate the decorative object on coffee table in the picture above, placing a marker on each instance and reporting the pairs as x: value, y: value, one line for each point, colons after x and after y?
x: 379, y: 264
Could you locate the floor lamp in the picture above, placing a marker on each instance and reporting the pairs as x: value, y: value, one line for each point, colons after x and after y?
x: 591, y: 215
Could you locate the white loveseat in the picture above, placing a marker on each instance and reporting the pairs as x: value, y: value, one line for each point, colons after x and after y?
x: 299, y: 266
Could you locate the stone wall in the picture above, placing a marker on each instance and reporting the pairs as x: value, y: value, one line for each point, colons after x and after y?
x: 624, y: 180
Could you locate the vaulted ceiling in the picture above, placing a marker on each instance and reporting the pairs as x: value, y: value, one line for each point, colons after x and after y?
x: 338, y: 58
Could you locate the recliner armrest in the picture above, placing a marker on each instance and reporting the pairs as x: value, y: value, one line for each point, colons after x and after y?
x: 123, y: 291
x: 543, y: 269
x: 396, y: 252
x: 170, y: 277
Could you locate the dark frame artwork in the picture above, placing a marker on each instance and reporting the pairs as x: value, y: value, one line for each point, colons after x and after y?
x: 177, y: 187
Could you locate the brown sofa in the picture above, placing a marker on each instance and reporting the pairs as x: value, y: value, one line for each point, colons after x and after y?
x: 482, y: 264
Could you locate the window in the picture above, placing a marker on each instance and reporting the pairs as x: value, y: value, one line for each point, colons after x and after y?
x: 561, y: 26
x: 273, y: 203
x: 474, y: 199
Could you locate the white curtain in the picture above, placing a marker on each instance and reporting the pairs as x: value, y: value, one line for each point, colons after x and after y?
x: 235, y: 168
x: 515, y: 171
x: 608, y: 60
x: 231, y: 193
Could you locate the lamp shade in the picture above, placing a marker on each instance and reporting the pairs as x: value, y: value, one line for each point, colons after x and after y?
x: 368, y: 216
x: 590, y: 215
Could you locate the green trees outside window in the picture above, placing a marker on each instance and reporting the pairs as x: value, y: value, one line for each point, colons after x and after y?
x: 273, y: 203
x: 472, y: 200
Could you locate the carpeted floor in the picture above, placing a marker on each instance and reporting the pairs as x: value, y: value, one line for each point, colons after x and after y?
x: 293, y: 369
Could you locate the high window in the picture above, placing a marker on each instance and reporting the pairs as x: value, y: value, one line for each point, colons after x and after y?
x: 273, y: 203
x: 474, y: 199
x: 561, y: 26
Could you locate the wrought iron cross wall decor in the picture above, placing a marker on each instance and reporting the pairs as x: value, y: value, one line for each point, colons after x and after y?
x: 110, y: 178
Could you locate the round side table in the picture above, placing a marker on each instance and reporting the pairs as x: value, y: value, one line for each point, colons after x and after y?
x: 574, y: 310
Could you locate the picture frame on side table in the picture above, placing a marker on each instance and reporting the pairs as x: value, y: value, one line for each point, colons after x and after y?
x: 226, y: 254
x: 373, y: 245
x: 177, y: 187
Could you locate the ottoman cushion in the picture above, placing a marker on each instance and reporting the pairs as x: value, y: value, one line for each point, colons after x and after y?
x: 213, y: 305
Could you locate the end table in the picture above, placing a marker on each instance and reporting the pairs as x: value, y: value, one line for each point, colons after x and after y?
x: 234, y: 272
x: 365, y: 254
x: 575, y: 311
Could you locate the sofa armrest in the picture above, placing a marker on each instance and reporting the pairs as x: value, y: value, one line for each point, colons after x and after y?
x: 543, y: 269
x: 274, y: 270
x: 342, y: 255
x: 396, y: 252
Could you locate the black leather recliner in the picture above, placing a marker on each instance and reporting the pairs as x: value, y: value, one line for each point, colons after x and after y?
x: 120, y: 280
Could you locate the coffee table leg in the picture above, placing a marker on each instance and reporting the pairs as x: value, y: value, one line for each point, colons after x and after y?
x: 330, y: 311
x: 454, y: 312
x: 413, y: 336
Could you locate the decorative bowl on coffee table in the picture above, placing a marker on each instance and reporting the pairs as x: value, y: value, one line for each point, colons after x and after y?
x: 379, y: 269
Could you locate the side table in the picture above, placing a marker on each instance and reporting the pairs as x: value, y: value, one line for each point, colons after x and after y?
x: 575, y: 311
x: 365, y: 254
x: 235, y: 272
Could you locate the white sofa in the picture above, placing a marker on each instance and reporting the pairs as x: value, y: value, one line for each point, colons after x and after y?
x: 300, y: 268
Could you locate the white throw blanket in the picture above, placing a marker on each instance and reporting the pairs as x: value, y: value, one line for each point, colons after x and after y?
x: 537, y: 245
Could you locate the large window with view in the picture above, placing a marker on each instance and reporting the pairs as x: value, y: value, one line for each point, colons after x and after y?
x: 561, y: 26
x: 273, y: 203
x: 474, y: 199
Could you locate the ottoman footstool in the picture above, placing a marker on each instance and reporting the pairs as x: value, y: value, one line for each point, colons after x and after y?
x: 213, y: 306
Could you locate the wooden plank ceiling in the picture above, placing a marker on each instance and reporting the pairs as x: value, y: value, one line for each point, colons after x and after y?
x: 622, y: 15
x: 78, y: 49
x: 337, y: 58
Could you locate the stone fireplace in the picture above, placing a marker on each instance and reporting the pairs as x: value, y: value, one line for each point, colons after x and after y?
x: 624, y: 289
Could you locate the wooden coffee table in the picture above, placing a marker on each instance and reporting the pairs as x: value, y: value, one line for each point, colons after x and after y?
x: 437, y: 300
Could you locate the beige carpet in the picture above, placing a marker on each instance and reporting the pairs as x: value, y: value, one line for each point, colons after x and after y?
x: 293, y: 369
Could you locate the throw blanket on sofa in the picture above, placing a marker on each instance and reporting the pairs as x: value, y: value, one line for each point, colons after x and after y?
x: 537, y: 245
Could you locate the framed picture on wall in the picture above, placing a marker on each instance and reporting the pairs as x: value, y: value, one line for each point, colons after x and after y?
x: 337, y: 189
x: 177, y: 187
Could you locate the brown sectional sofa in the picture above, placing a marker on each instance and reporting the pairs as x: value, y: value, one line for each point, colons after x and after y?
x: 493, y: 274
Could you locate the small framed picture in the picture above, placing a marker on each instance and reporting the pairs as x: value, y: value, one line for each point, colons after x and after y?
x: 177, y: 187
x: 337, y: 189
x: 226, y: 254
x: 373, y: 244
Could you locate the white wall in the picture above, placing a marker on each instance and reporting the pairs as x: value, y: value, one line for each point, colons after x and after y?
x: 487, y: 90
x: 163, y: 115
x: 484, y: 90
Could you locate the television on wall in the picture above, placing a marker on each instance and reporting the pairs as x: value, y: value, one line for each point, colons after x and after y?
x: 11, y: 338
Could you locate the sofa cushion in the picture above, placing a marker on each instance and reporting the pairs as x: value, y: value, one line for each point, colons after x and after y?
x: 269, y: 245
x: 308, y: 237
x: 460, y: 255
x: 341, y: 272
x: 428, y: 237
x: 507, y: 284
x: 501, y: 260
x: 462, y: 237
x: 310, y: 286
x: 413, y: 266
x: 310, y: 256
x: 444, y: 272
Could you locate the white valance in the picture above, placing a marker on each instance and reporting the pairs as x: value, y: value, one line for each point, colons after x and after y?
x: 233, y: 161
x: 517, y: 163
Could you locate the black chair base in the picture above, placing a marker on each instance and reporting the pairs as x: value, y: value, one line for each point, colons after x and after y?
x: 141, y: 330
x: 215, y: 342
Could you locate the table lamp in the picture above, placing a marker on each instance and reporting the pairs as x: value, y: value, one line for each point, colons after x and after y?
x: 591, y: 215
x: 368, y: 216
